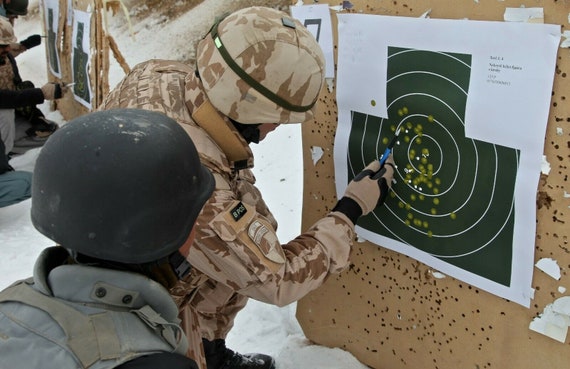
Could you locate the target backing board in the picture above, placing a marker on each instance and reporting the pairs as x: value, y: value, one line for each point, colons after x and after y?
x: 461, y: 203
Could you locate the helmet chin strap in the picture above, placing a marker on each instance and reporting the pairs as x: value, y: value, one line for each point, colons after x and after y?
x: 229, y: 140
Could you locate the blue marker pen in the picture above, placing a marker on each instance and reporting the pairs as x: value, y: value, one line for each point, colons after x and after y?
x: 386, y: 153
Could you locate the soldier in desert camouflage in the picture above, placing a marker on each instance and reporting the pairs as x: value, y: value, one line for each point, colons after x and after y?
x: 256, y: 68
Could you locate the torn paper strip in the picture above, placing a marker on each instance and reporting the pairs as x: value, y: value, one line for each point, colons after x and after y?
x: 545, y: 165
x: 529, y: 15
x: 316, y: 154
x: 549, y: 266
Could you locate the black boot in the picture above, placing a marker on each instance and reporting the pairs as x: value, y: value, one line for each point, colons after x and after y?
x: 218, y: 356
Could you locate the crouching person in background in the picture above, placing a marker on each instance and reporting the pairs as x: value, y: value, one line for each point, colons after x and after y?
x: 119, y: 190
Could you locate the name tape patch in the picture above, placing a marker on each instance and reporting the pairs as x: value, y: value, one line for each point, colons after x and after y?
x: 238, y: 211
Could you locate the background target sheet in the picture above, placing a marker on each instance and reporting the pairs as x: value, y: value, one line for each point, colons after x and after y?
x: 471, y: 108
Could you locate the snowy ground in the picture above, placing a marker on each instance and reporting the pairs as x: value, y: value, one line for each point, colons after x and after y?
x: 259, y: 327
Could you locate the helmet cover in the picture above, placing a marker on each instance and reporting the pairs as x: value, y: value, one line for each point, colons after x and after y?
x: 259, y: 65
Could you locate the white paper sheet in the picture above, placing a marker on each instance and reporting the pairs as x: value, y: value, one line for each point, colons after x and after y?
x: 317, y: 19
x: 502, y: 85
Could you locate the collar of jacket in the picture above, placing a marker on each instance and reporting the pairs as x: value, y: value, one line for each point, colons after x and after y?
x: 99, y: 286
x: 218, y: 127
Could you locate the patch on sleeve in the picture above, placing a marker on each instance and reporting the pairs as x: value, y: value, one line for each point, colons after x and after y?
x: 238, y: 211
x: 266, y: 240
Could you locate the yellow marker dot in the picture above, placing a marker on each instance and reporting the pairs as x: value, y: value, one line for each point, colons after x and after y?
x: 425, y: 151
x: 408, y: 206
x: 435, y: 190
x: 425, y: 224
x: 392, y: 194
x: 409, y: 125
x: 405, y: 110
x: 410, y: 216
x: 430, y: 185
x: 430, y: 118
x: 400, y: 204
x: 433, y: 211
x: 430, y: 166
x: 423, y: 160
x: 400, y: 112
x: 418, y: 141
x: 373, y: 102
x: 407, y: 139
x: 419, y: 127
x: 422, y: 197
x: 413, y: 197
x: 430, y: 234
x: 393, y: 128
x: 385, y: 140
x: 436, y: 201
x: 407, y: 222
x: 453, y: 215
x: 437, y: 181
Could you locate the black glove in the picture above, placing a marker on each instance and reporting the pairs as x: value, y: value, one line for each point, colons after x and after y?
x: 33, y: 40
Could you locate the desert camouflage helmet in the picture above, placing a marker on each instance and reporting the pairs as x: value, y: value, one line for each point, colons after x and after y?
x: 7, y: 36
x: 16, y: 7
x: 259, y: 65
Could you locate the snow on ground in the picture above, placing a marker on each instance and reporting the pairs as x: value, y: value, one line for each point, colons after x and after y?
x: 259, y: 327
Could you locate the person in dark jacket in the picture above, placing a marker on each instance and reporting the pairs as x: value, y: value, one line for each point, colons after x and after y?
x: 18, y: 98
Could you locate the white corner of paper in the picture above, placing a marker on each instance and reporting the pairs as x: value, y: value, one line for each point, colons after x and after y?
x: 561, y: 289
x: 360, y: 239
x: 549, y: 266
x: 336, y: 8
x: 566, y: 35
x: 299, y: 3
x: 437, y: 274
x: 316, y: 153
x: 545, y: 165
x: 566, y: 194
x: 425, y: 14
x: 330, y: 84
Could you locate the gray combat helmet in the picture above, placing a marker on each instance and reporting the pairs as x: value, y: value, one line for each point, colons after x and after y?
x: 124, y: 185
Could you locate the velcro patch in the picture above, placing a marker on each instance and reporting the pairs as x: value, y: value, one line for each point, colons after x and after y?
x: 266, y: 241
x: 238, y: 211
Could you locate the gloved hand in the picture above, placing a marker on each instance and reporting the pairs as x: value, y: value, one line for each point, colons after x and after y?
x: 33, y: 40
x: 371, y: 186
x: 52, y: 91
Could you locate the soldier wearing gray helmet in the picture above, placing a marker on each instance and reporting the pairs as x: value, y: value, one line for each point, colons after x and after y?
x: 256, y: 68
x: 120, y: 192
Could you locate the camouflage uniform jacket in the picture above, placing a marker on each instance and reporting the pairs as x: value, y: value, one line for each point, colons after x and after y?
x: 236, y: 244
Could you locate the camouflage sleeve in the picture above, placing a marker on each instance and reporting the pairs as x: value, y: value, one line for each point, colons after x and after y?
x: 237, y: 246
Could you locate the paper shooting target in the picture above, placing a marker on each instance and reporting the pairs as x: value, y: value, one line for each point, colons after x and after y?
x: 453, y: 197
